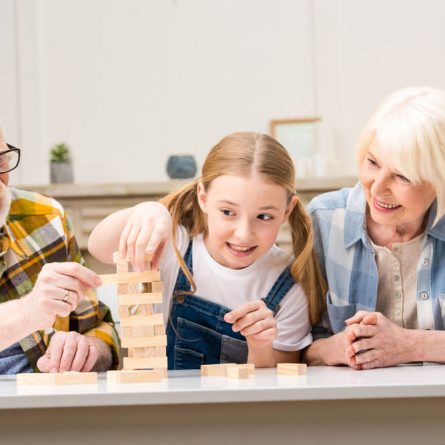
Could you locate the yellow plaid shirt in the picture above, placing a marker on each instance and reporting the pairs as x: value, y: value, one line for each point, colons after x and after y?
x: 38, y: 231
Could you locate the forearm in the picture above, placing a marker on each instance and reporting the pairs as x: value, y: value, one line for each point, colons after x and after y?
x: 268, y: 357
x: 424, y: 346
x: 324, y: 352
x: 14, y: 323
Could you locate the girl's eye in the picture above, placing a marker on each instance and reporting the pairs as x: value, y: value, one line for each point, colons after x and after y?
x: 404, y: 179
x: 265, y: 217
x: 227, y: 212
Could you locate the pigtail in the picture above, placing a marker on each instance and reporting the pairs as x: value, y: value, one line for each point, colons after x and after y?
x: 184, y: 210
x: 306, y: 268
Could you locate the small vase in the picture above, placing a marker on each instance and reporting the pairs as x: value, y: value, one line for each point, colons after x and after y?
x: 61, y: 172
x: 181, y: 166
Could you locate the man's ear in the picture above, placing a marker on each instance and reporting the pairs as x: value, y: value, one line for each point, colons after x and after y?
x: 202, y: 196
x: 290, y: 207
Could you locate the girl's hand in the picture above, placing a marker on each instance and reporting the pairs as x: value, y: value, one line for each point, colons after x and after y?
x: 57, y: 292
x: 256, y: 322
x: 145, y: 233
x: 379, y: 342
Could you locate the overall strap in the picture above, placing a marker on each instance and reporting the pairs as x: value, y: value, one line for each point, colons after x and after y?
x: 279, y: 290
x: 182, y: 283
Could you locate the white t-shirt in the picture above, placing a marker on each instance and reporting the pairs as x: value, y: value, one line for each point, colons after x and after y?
x: 234, y: 287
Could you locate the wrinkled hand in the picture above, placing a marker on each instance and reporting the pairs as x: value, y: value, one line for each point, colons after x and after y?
x: 341, y: 344
x: 69, y: 351
x: 379, y: 341
x: 47, y: 299
x: 255, y: 321
x: 145, y: 233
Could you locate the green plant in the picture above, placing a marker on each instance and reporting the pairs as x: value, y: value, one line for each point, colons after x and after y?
x: 60, y: 153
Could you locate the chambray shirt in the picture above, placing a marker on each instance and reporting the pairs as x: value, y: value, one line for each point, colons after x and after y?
x: 348, y: 262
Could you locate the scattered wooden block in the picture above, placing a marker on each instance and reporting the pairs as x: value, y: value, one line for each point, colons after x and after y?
x: 135, y: 376
x: 57, y: 378
x: 217, y: 370
x: 239, y: 371
x: 291, y: 369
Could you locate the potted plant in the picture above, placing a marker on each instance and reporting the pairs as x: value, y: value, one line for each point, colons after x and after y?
x: 60, y: 163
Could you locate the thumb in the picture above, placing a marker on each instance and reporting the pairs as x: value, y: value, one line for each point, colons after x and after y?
x: 43, y: 363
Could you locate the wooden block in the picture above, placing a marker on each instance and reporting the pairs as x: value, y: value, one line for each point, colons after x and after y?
x: 143, y: 342
x: 130, y: 277
x: 142, y: 298
x: 291, y: 369
x: 157, y: 286
x: 116, y: 258
x: 152, y: 351
x: 143, y: 320
x: 135, y: 376
x: 217, y: 370
x: 145, y: 363
x: 57, y: 378
x: 239, y: 372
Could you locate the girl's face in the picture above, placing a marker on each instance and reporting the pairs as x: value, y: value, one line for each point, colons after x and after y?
x: 244, y: 215
x: 392, y: 199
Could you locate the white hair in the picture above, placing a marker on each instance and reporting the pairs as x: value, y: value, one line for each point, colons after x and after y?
x: 409, y: 131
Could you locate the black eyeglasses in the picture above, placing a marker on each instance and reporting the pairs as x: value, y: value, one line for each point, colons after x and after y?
x: 9, y: 159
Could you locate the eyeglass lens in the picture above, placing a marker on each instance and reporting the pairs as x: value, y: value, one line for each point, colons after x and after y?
x: 8, y: 160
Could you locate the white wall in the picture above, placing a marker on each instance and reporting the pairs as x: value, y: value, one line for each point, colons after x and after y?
x: 126, y: 83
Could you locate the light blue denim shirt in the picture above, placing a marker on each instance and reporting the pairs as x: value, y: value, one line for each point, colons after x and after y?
x: 348, y: 262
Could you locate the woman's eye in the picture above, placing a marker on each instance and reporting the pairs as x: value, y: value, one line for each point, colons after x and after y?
x: 404, y: 179
x: 372, y: 162
x: 265, y: 217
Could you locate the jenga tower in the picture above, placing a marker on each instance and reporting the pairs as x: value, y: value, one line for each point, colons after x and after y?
x: 142, y: 330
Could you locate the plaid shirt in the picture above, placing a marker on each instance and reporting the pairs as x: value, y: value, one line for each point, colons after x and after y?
x: 38, y: 231
x: 348, y: 262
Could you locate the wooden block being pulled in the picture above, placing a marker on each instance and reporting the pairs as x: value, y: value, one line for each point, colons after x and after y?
x: 57, y: 378
x: 145, y: 363
x: 135, y: 376
x: 130, y: 277
x: 240, y: 371
x: 143, y: 320
x: 291, y: 369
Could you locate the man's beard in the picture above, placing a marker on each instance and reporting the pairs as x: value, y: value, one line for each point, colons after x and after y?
x: 5, y: 203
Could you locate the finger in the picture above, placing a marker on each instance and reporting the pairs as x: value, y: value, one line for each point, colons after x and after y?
x: 55, y: 350
x: 92, y: 356
x: 357, y: 317
x: 79, y: 272
x: 250, y: 319
x: 158, y: 255
x: 69, y: 351
x: 123, y: 240
x: 241, y: 311
x: 267, y: 334
x: 370, y: 319
x: 140, y: 247
x: 258, y: 327
x: 371, y: 365
x: 43, y: 363
x: 363, y: 330
x: 371, y: 355
x: 83, y: 349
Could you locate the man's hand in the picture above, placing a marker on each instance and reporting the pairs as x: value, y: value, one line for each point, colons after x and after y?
x: 57, y: 292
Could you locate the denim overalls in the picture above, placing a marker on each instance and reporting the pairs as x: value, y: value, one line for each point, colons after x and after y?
x: 197, y: 333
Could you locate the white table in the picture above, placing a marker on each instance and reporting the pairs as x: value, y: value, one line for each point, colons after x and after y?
x: 329, y: 405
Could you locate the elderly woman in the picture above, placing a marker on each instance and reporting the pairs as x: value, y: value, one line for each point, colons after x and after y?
x: 381, y: 244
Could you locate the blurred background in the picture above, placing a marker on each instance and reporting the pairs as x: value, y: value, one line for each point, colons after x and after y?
x: 127, y: 83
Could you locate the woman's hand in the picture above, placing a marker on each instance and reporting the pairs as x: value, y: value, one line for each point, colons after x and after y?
x: 145, y: 233
x: 256, y: 322
x: 379, y: 341
x: 57, y: 292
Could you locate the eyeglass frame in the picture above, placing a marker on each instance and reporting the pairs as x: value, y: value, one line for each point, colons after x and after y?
x: 11, y: 148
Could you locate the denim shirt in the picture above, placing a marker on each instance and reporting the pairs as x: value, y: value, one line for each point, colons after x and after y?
x: 348, y: 262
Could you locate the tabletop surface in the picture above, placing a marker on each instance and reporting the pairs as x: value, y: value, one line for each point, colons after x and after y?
x: 188, y: 387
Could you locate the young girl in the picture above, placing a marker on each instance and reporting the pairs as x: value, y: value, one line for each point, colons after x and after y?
x: 231, y: 294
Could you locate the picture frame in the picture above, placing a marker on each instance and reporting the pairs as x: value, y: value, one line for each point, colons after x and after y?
x: 298, y: 135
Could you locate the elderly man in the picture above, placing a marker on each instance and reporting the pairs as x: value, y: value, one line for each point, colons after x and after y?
x: 50, y: 319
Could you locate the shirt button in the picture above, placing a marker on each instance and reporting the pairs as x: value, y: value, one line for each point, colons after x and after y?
x: 396, y: 264
x: 398, y: 312
x: 425, y: 261
x: 424, y: 296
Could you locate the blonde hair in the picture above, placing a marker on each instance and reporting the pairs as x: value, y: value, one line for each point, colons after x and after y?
x: 409, y: 131
x: 241, y: 154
